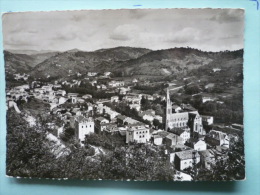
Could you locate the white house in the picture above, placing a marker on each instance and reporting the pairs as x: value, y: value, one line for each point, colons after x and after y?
x: 62, y: 100
x: 136, y: 133
x: 107, y: 73
x: 116, y: 84
x: 83, y: 126
x: 135, y: 106
x: 182, y: 132
x: 207, y: 99
x: 157, y: 140
x: 114, y: 99
x: 198, y: 145
x: 61, y: 92
x: 92, y: 74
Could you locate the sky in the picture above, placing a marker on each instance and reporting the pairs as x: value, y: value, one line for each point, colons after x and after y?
x: 89, y: 30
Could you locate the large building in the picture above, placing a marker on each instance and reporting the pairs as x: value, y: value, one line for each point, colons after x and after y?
x: 83, y: 126
x: 186, y: 117
x: 137, y: 133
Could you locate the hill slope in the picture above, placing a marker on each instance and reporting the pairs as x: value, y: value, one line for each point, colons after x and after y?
x: 124, y: 61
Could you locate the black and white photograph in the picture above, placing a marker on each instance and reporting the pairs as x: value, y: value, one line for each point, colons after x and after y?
x: 125, y: 94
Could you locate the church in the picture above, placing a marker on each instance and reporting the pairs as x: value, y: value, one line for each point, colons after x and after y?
x: 186, y: 118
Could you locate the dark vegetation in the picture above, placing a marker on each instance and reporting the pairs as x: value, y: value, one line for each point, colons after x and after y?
x: 29, y: 155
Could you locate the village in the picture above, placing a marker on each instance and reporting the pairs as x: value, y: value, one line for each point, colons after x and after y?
x: 188, y: 138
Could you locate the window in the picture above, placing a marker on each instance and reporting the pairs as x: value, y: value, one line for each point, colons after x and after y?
x: 82, y: 126
x: 140, y: 136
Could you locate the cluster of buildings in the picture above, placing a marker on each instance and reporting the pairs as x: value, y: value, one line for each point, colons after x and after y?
x: 185, y: 137
x: 188, y: 142
x: 19, y: 76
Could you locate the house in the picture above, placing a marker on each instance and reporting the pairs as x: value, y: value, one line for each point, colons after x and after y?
x: 130, y: 121
x: 22, y: 88
x: 157, y: 140
x: 100, y: 124
x: 148, y: 97
x: 21, y: 76
x: 207, y: 158
x: 135, y: 106
x: 172, y: 140
x: 80, y: 100
x: 87, y: 96
x: 196, y: 144
x: 93, y: 83
x: 124, y: 90
x: 217, y: 138
x: 121, y: 119
x: 47, y: 88
x: 83, y: 126
x: 114, y: 99
x: 133, y: 99
x: 61, y: 92
x: 135, y: 81
x: 184, y: 133
x: 70, y: 95
x: 147, y: 116
x: 76, y: 111
x: 113, y: 84
x: 57, y: 86
x: 216, y: 69
x: 110, y: 128
x: 207, y: 120
x: 207, y: 99
x: 99, y: 108
x: 73, y: 97
x: 62, y: 100
x: 92, y: 74
x: 39, y: 90
x: 90, y: 107
x: 112, y: 115
x: 176, y: 108
x: 209, y: 86
x: 185, y: 159
x: 102, y: 86
x: 107, y: 74
x: 137, y: 133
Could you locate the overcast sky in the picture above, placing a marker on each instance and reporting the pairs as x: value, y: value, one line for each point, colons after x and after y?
x: 205, y: 29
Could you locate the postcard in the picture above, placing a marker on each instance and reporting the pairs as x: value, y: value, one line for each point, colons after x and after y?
x: 126, y: 94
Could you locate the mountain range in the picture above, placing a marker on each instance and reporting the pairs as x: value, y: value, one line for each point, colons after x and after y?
x: 126, y: 61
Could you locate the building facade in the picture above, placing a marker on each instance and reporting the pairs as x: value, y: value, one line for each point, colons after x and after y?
x: 139, y: 134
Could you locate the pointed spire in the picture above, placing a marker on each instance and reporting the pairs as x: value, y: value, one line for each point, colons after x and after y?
x: 168, y: 97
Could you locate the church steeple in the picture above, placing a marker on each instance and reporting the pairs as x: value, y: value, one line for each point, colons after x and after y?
x: 168, y: 109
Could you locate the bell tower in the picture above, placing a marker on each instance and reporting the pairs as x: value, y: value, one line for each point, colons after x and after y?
x: 168, y: 109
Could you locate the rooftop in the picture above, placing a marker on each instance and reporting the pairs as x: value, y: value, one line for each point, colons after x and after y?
x: 188, y: 154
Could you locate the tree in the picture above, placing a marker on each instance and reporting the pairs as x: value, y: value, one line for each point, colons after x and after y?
x: 27, y: 152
